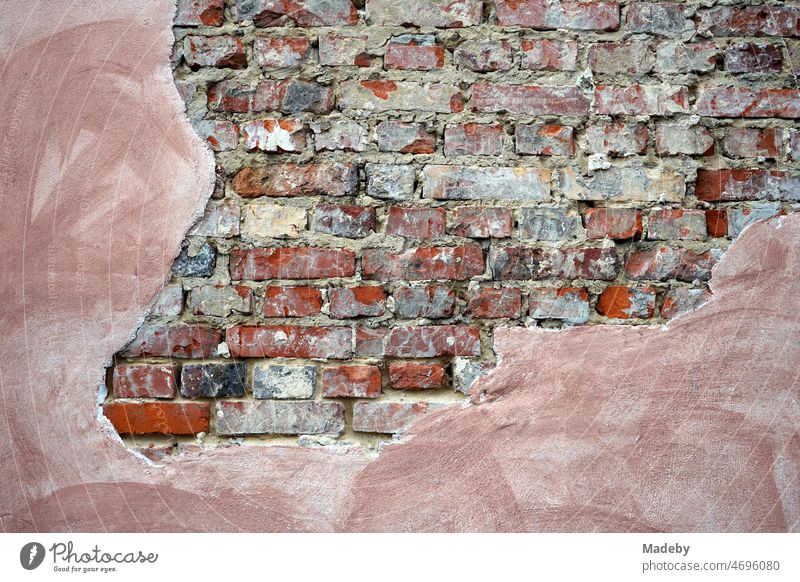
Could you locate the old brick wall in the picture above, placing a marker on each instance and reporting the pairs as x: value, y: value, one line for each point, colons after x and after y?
x: 397, y: 179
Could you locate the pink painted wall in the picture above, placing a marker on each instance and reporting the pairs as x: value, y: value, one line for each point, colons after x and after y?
x: 690, y: 427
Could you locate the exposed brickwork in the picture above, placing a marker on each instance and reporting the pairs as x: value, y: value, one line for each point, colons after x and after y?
x: 397, y: 179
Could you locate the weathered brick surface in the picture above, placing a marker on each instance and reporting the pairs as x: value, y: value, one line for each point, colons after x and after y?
x: 396, y: 179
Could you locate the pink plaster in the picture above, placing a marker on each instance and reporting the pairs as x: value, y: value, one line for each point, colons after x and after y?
x: 690, y: 427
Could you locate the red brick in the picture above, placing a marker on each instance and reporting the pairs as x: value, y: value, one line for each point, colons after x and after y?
x: 749, y: 57
x: 753, y: 142
x: 549, y: 55
x: 553, y: 15
x: 743, y: 184
x: 260, y: 264
x: 411, y: 376
x: 431, y: 302
x: 750, y: 21
x: 663, y: 263
x: 173, y: 341
x: 528, y: 99
x: 292, y: 301
x: 278, y: 52
x: 717, y: 223
x: 745, y: 102
x: 626, y: 58
x: 214, y: 51
x: 418, y: 52
x: 484, y: 55
x: 433, y: 341
x: 406, y: 138
x: 289, y: 341
x: 301, y: 12
x: 344, y: 220
x: 199, y: 13
x: 145, y: 380
x: 664, y: 18
x: 370, y: 341
x: 627, y: 302
x: 613, y: 223
x: 641, y: 100
x: 495, y: 303
x: 536, y: 263
x: 366, y: 301
x: 682, y: 300
x: 617, y: 138
x: 480, y: 222
x: 389, y: 417
x: 545, y: 140
x: 325, y: 179
x: 274, y: 135
x: 351, y: 382
x: 455, y: 263
x: 175, y: 418
x: 416, y: 223
x: 569, y: 304
x: 473, y: 139
x: 676, y: 224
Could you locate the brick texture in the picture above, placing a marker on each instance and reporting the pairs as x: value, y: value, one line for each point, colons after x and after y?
x: 396, y: 179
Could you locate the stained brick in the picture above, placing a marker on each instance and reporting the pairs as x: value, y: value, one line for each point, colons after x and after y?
x: 455, y: 263
x: 674, y: 140
x: 614, y: 223
x: 275, y: 417
x: 344, y: 220
x: 641, y: 100
x: 281, y: 381
x: 676, y: 224
x: 389, y: 417
x: 764, y: 20
x: 325, y: 178
x: 338, y: 50
x: 220, y: 219
x: 624, y: 184
x: 558, y: 14
x: 568, y: 304
x: 416, y: 223
x: 740, y: 218
x: 220, y: 135
x: 406, y: 138
x: 433, y: 341
x: 289, y: 341
x: 749, y: 57
x: 549, y: 54
x: 377, y: 96
x: 365, y: 301
x: 438, y: 13
x: 626, y: 58
x: 390, y: 182
x: 480, y: 222
x: 617, y: 138
x: 199, y: 13
x: 145, y: 380
x: 418, y: 52
x: 263, y: 219
x: 412, y: 376
x: 473, y: 139
x: 619, y: 302
x: 274, y: 135
x: 663, y: 263
x: 213, y: 380
x: 220, y: 300
x: 662, y: 18
x: 193, y: 262
x: 536, y: 263
x: 484, y: 55
x: 726, y: 101
x: 528, y: 99
x: 545, y: 140
x: 431, y: 302
x: 173, y: 341
x: 169, y: 302
x: 495, y: 303
x: 214, y: 51
x: 752, y: 142
x: 339, y: 134
x: 681, y: 57
x: 291, y: 301
x: 301, y: 12
x: 549, y: 224
x: 279, y: 52
x: 260, y: 264
x: 683, y: 300
x: 478, y: 183
x: 743, y: 184
x: 351, y: 382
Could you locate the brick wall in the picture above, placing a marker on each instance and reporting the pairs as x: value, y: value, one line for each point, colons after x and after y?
x: 397, y: 179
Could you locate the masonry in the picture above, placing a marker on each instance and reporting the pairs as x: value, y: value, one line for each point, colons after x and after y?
x: 397, y: 179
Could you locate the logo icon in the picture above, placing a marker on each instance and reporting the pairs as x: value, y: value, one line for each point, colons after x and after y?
x: 31, y: 555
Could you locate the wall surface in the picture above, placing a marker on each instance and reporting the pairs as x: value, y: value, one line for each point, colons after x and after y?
x: 688, y: 426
